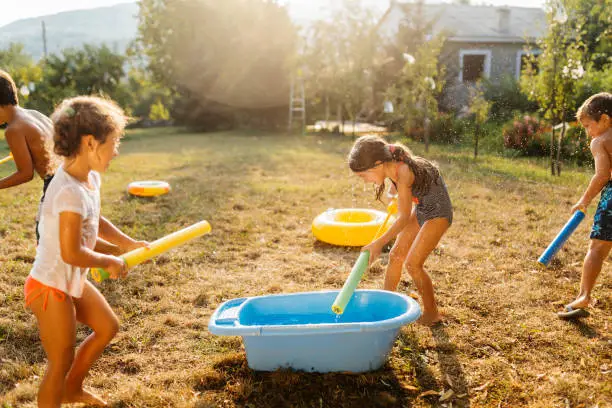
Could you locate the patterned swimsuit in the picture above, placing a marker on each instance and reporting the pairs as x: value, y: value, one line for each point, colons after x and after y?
x: 436, y: 203
x: 602, y: 222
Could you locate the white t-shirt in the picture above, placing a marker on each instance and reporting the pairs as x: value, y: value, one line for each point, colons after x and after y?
x: 66, y: 194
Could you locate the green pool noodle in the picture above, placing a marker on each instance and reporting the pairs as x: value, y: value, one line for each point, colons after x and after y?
x: 351, y: 283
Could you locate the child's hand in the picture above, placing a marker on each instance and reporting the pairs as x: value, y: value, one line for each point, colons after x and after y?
x: 375, y: 251
x: 134, y: 245
x: 579, y: 206
x: 116, y: 267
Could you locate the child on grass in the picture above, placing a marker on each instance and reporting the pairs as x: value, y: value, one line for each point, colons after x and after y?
x: 595, y: 115
x: 73, y: 238
x: 418, y: 227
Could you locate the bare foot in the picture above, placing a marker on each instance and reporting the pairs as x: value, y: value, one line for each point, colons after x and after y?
x: 580, y: 303
x: 430, y: 320
x: 84, y: 397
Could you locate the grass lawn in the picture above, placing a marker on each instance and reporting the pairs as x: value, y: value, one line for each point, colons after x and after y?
x: 502, y: 345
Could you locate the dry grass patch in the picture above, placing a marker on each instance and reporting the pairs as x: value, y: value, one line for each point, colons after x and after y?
x: 502, y: 345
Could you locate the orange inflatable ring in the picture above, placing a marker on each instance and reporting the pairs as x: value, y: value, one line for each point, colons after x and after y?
x: 148, y: 188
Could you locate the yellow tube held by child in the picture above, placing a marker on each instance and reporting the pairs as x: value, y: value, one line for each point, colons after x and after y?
x: 6, y: 159
x: 140, y: 255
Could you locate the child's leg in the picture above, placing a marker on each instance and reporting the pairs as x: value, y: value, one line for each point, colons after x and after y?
x: 57, y: 326
x: 94, y: 311
x: 593, y: 262
x: 398, y: 253
x: 424, y: 243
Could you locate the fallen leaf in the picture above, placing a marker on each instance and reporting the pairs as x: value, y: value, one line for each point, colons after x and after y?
x: 447, y: 395
x: 483, y: 386
x: 448, y: 381
x: 409, y: 387
x: 428, y: 393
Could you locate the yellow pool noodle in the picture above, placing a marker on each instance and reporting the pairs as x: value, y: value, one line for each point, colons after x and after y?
x: 7, y: 158
x: 140, y: 255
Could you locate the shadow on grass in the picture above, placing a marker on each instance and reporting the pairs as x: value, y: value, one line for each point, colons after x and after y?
x: 231, y: 378
x: 584, y: 329
x: 450, y: 367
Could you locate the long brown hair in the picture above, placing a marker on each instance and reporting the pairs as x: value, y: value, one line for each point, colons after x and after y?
x: 370, y: 151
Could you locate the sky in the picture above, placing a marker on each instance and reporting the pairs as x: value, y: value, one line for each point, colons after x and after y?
x: 16, y: 10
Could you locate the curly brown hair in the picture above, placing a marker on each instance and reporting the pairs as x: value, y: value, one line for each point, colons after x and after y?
x: 369, y: 151
x: 85, y: 115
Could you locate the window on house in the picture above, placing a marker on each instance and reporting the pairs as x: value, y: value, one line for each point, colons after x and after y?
x: 524, y: 60
x: 473, y: 67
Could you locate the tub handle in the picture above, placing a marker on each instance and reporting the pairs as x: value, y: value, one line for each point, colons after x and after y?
x: 229, y: 312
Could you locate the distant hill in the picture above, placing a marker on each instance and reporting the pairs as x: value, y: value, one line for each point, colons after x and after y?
x: 115, y: 26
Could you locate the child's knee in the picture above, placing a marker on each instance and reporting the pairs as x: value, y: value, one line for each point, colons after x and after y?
x: 598, y: 251
x: 397, y: 255
x: 61, y: 361
x: 110, y: 329
x: 414, y: 267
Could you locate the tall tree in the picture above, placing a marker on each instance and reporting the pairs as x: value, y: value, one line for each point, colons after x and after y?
x: 551, y: 77
x: 479, y: 108
x: 340, y: 58
x: 85, y: 71
x: 417, y: 88
x: 226, y: 56
x: 22, y: 68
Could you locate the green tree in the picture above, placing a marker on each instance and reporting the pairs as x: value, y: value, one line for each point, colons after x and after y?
x: 479, y: 108
x: 22, y: 69
x: 225, y: 58
x: 158, y: 111
x: 357, y: 52
x: 415, y: 92
x: 322, y: 68
x: 551, y: 78
x: 85, y: 71
x: 593, y: 18
x: 142, y: 92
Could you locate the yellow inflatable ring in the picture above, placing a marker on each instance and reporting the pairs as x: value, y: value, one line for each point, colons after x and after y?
x: 348, y: 226
x: 148, y: 188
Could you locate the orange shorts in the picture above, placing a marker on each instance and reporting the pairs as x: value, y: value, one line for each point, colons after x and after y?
x: 33, y: 289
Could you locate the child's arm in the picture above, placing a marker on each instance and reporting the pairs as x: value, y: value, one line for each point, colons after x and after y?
x: 21, y: 155
x: 601, y: 176
x: 74, y: 253
x: 109, y: 232
x: 405, y: 178
x: 105, y: 247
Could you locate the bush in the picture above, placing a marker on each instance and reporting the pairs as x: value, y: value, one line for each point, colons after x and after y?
x: 530, y: 137
x: 575, y: 147
x: 506, y: 98
x: 447, y: 129
x: 525, y: 135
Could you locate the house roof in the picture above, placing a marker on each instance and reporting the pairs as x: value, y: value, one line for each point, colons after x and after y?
x: 473, y: 23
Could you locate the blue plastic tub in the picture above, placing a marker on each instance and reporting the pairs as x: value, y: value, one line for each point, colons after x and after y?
x: 299, y: 330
